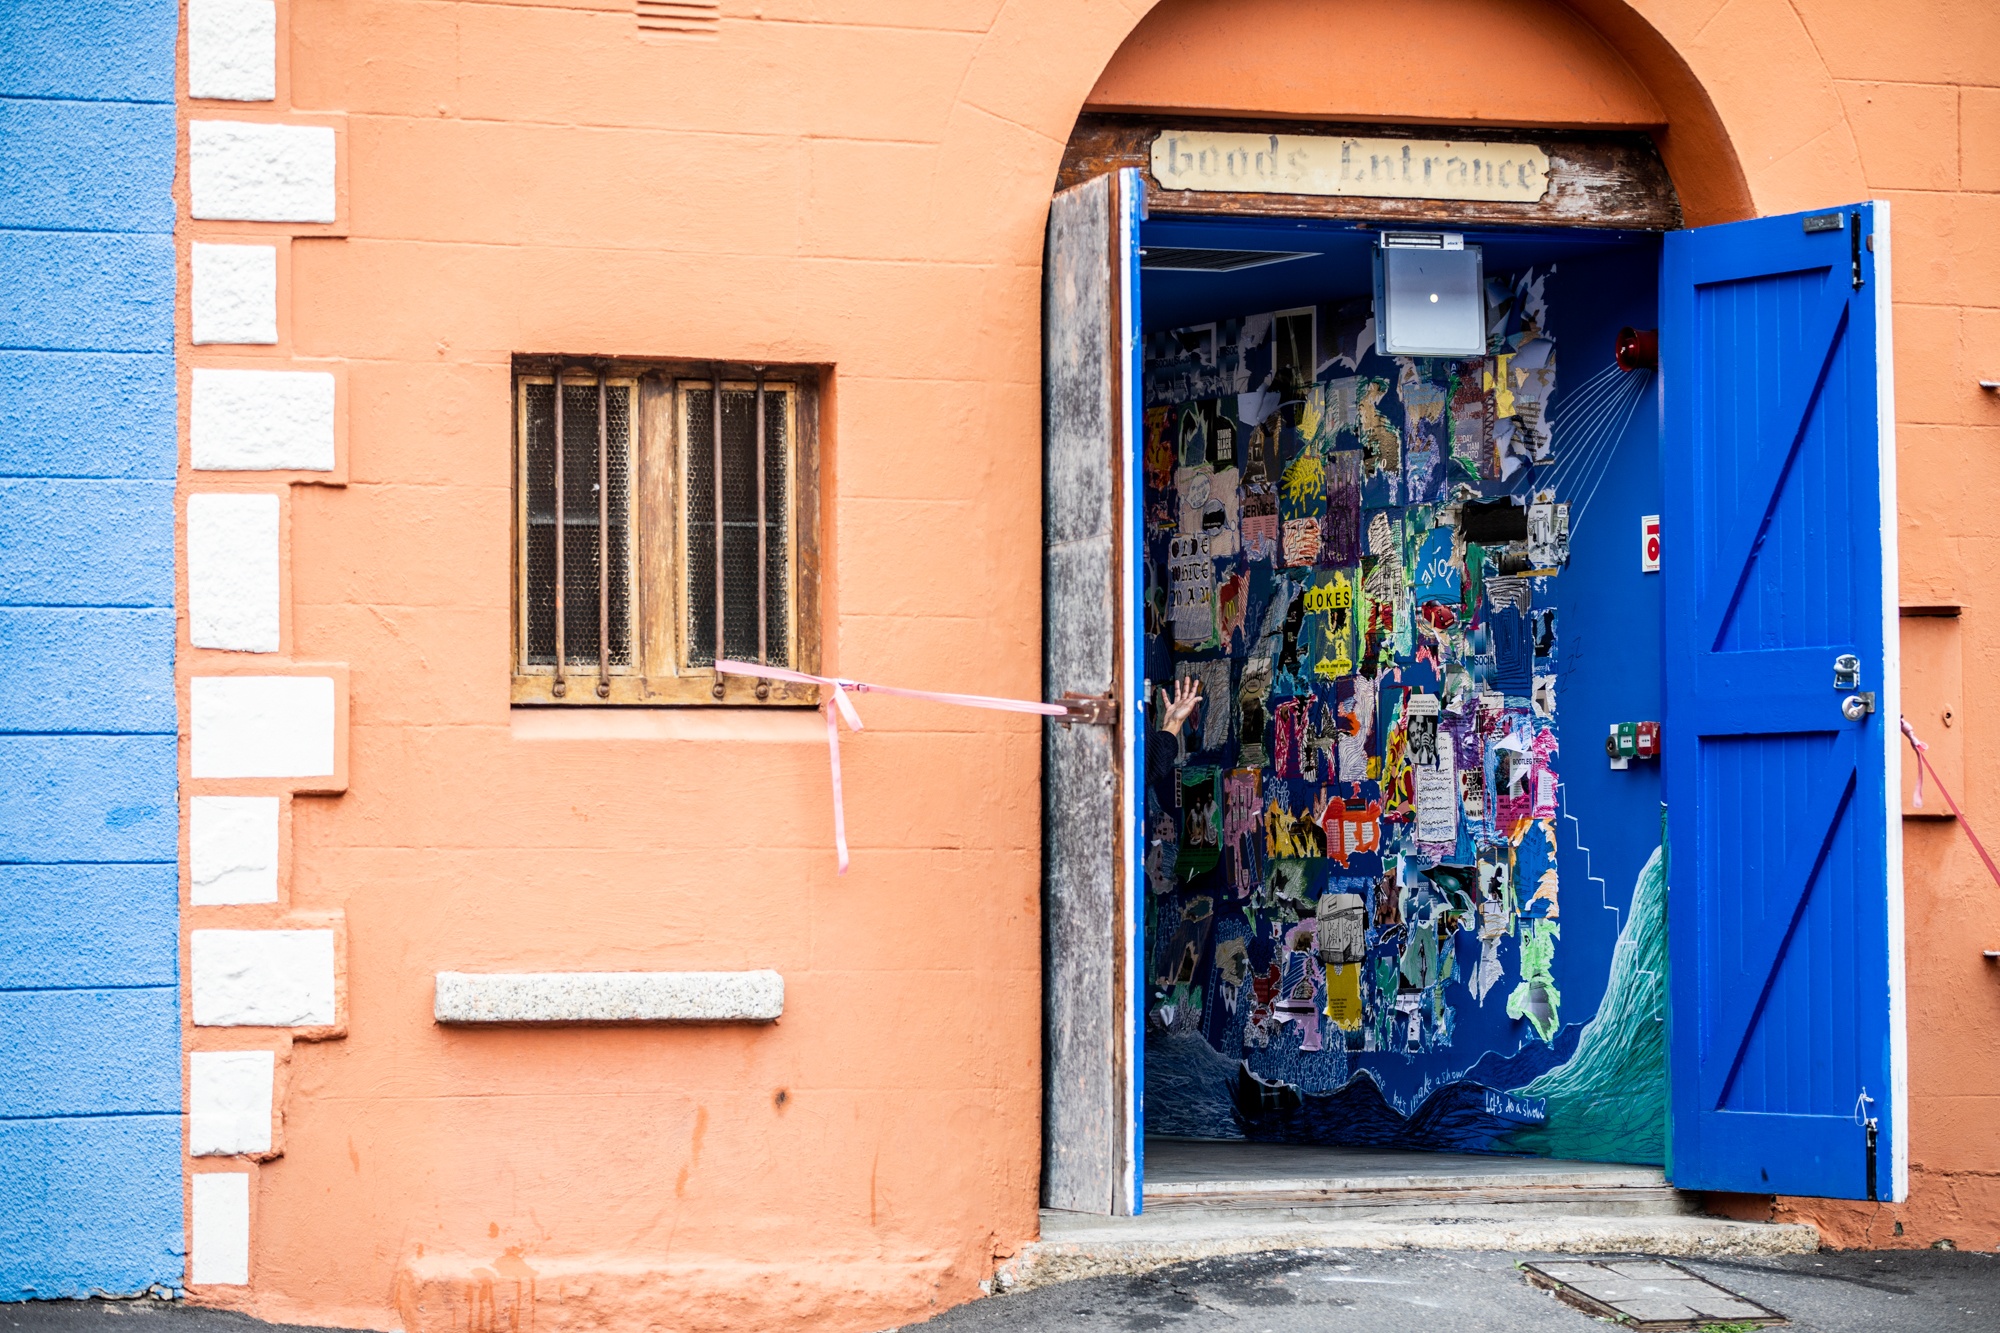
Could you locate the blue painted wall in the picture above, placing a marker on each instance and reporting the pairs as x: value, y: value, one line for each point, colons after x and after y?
x: 90, y: 1086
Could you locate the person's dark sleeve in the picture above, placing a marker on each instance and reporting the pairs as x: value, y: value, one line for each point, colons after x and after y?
x: 1162, y: 749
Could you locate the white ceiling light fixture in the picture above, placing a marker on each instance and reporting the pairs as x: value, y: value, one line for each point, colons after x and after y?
x: 1189, y: 259
x: 1430, y: 295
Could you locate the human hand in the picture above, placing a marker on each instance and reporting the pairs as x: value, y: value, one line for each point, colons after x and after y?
x: 1181, y: 701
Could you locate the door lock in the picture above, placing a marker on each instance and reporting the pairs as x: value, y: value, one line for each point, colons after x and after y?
x: 1846, y: 671
x: 1857, y: 706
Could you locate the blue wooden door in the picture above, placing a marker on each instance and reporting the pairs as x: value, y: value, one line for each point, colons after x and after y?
x: 1778, y: 550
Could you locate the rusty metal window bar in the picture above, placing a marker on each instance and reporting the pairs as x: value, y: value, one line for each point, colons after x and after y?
x: 739, y: 555
x: 577, y: 557
x: 684, y: 498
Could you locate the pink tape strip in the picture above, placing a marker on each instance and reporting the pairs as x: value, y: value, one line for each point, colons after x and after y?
x: 837, y: 698
x: 1924, y: 766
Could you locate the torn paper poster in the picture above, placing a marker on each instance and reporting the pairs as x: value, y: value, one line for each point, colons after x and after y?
x: 1208, y: 507
x: 1420, y: 712
x: 1243, y: 827
x: 1471, y: 450
x: 1258, y: 519
x: 1543, y: 620
x: 1507, y: 590
x: 1343, y: 996
x: 1544, y: 755
x: 1381, y: 441
x: 1437, y: 802
x: 1356, y: 731
x: 1342, y: 546
x: 1438, y: 576
x: 1252, y: 693
x: 1213, y: 678
x: 1159, y: 461
x: 1302, y: 541
x: 1545, y: 549
x: 1232, y: 599
x: 1342, y: 919
x: 1201, y: 822
x: 1232, y: 966
x: 1352, y: 827
x: 1532, y: 373
x: 1340, y: 402
x: 1192, y: 573
x: 1536, y: 999
x: 1487, y: 972
x: 1330, y: 620
x: 1291, y: 835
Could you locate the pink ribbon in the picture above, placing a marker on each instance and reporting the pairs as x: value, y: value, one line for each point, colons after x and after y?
x: 1917, y: 797
x: 838, y: 699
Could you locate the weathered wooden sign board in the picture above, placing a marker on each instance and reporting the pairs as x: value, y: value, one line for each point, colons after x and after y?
x: 1373, y: 168
x: 1309, y: 169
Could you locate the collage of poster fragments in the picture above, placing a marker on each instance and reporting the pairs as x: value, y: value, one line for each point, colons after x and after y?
x: 1351, y: 843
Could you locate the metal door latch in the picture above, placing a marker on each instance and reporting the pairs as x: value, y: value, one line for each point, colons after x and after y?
x: 1857, y: 706
x: 1092, y: 710
x: 1846, y: 671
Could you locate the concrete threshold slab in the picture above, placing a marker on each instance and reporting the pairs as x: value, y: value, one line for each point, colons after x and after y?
x: 1080, y: 1246
x: 1628, y: 1178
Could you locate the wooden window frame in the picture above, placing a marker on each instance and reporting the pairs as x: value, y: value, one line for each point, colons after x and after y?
x: 659, y: 675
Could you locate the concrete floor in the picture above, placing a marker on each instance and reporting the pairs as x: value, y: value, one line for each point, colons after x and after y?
x: 1197, y: 1162
x: 1424, y: 1292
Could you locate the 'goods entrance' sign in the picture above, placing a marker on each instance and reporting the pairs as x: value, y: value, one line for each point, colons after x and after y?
x: 1327, y: 165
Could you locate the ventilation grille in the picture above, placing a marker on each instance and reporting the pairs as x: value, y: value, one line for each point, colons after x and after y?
x: 581, y: 535
x: 1187, y: 260
x: 680, y: 18
x: 739, y: 525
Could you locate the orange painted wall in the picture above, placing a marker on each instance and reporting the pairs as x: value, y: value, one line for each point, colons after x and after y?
x: 864, y: 185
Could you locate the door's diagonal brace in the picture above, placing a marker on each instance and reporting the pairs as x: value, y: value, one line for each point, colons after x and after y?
x: 1768, y: 946
x: 1824, y: 332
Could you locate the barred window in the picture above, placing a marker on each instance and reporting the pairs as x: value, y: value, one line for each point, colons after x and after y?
x: 625, y: 561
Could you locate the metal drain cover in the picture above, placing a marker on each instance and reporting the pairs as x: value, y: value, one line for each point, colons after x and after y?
x: 1646, y: 1293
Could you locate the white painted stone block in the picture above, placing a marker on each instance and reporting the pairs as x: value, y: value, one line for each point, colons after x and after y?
x: 246, y: 172
x: 262, y: 726
x: 262, y: 420
x: 233, y: 850
x: 609, y: 997
x: 233, y: 50
x: 232, y: 551
x: 235, y: 293
x: 221, y: 1229
x: 229, y: 1102
x: 263, y: 978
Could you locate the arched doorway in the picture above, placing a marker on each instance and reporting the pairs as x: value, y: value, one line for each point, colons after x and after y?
x: 1338, y: 920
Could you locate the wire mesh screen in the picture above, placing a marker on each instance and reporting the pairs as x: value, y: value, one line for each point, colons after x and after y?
x: 739, y: 526
x: 583, y: 542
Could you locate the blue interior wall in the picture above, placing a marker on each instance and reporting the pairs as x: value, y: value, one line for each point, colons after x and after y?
x: 1593, y: 1085
x: 90, y: 1085
x: 1609, y: 662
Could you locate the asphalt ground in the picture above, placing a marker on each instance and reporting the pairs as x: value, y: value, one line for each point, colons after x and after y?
x: 1367, y: 1291
x: 1374, y: 1291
